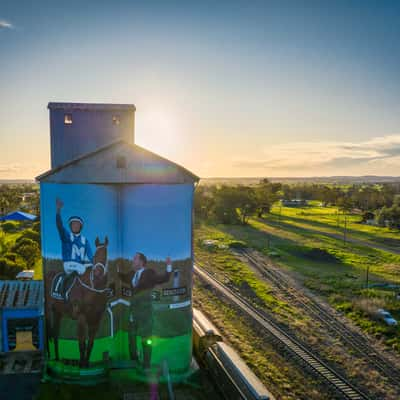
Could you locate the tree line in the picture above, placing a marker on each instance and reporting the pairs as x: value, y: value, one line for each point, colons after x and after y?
x: 19, y: 241
x: 12, y: 195
x: 235, y: 204
x: 15, y: 256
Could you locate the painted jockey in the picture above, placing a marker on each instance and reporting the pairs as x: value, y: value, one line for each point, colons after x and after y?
x: 76, y: 251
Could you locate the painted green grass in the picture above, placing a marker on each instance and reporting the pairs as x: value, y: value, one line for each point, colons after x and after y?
x: 174, y: 350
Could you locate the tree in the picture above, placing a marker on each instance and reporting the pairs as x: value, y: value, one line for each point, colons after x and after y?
x: 10, y: 226
x: 204, y: 202
x: 344, y: 203
x: 225, y: 206
x: 28, y: 250
x: 266, y: 194
x: 15, y: 258
x: 9, y: 269
x: 390, y: 215
x: 246, y: 203
x: 29, y: 234
x: 367, y: 216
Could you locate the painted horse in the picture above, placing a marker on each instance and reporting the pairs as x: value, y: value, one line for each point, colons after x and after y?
x: 87, y: 301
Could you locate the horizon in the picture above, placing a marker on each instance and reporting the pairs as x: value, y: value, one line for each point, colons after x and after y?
x: 275, y: 178
x: 235, y: 90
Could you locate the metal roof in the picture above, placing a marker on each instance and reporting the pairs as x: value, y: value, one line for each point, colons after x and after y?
x: 18, y: 216
x: 104, y: 166
x: 90, y: 106
x: 21, y: 294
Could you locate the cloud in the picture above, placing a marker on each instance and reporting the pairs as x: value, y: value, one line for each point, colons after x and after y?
x: 5, y: 24
x: 5, y: 168
x: 21, y: 170
x: 379, y: 155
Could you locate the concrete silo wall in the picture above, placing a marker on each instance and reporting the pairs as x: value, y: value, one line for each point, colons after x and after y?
x: 138, y: 313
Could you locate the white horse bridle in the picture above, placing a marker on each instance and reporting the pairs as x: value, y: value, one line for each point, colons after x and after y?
x: 91, y: 277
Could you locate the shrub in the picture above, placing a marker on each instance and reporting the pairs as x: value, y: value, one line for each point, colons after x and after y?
x: 10, y: 226
x: 368, y: 306
x: 36, y: 226
x: 15, y: 258
x: 318, y: 254
x: 28, y: 250
x: 29, y: 234
x: 237, y: 244
x: 8, y: 268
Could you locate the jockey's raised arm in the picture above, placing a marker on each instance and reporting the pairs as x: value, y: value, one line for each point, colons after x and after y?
x: 64, y: 235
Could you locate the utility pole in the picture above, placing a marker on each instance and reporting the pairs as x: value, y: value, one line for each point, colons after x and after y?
x: 345, y: 228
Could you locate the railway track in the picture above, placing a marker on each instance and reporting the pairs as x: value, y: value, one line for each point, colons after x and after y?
x: 337, y: 382
x: 356, y: 341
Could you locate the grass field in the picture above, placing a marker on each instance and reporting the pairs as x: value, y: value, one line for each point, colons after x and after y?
x: 327, y: 266
x: 332, y: 220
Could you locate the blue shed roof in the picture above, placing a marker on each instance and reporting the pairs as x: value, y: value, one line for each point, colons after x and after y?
x: 119, y: 162
x: 18, y: 216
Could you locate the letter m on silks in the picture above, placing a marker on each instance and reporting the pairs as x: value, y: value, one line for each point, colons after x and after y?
x: 78, y: 253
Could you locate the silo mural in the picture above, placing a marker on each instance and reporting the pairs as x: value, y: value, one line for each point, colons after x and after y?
x: 117, y: 252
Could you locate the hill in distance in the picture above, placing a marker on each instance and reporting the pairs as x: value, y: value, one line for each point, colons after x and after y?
x: 340, y: 180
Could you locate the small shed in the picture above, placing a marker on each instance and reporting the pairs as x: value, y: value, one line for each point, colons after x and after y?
x: 21, y: 309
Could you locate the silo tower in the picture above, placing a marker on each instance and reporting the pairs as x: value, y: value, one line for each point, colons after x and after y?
x: 117, y: 251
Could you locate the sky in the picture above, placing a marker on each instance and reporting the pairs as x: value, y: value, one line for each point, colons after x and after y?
x: 224, y: 88
x: 160, y: 212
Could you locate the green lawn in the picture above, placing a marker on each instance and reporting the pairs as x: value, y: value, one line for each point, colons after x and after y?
x: 332, y: 220
x: 336, y: 271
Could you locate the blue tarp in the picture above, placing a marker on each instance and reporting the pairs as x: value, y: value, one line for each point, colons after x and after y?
x: 18, y: 216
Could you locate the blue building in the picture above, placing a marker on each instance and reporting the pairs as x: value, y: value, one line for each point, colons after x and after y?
x: 132, y: 209
x: 79, y: 128
x: 21, y: 308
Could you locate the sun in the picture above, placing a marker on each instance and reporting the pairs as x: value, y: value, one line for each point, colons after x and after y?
x: 158, y: 130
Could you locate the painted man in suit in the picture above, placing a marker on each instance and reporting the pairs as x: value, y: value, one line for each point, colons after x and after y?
x: 142, y: 281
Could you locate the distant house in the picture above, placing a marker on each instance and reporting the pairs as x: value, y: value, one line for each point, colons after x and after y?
x: 28, y: 196
x: 294, y: 203
x: 25, y: 275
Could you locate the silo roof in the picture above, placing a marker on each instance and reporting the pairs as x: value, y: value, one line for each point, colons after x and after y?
x: 119, y: 162
x: 90, y: 106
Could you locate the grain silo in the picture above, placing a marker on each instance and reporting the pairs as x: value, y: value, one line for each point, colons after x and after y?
x: 116, y: 224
